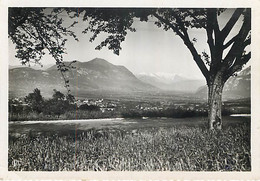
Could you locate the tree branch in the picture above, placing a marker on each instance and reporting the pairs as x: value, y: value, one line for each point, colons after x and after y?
x: 238, y: 45
x: 232, y: 21
x: 230, y: 42
x: 175, y: 29
x: 238, y: 65
x: 209, y: 30
x: 57, y: 59
x: 184, y: 36
x: 247, y: 42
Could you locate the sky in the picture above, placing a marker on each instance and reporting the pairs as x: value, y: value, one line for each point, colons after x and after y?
x: 148, y: 50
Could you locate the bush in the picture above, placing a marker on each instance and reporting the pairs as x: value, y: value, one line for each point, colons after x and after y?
x: 170, y: 112
x: 35, y: 101
x: 89, y: 107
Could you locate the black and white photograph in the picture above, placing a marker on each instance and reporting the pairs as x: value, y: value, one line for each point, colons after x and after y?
x: 148, y: 89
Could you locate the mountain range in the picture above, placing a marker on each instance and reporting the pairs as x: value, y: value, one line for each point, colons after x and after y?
x: 236, y: 87
x: 97, y: 74
x: 100, y: 75
x: 171, y: 82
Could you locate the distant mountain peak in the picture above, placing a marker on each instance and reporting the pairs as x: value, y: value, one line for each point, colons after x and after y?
x: 170, y: 81
x: 166, y: 76
x: 97, y: 74
x: 99, y: 61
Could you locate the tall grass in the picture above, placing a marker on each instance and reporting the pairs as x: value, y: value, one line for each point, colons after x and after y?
x: 145, y: 149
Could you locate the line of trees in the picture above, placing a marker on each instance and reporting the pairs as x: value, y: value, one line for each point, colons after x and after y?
x: 35, y: 106
x: 35, y: 103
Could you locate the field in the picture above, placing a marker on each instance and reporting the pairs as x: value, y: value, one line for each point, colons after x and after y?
x: 169, y: 148
x: 168, y: 133
x: 128, y: 106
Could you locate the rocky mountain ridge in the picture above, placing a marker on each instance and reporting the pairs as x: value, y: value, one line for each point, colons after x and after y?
x: 97, y: 74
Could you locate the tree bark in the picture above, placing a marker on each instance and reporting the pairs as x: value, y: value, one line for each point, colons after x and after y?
x: 215, y: 89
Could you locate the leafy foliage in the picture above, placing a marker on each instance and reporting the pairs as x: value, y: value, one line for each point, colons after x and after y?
x: 70, y: 98
x: 59, y: 104
x: 58, y: 96
x: 35, y: 31
x: 17, y: 108
x: 35, y: 100
x: 115, y: 23
x: 89, y: 107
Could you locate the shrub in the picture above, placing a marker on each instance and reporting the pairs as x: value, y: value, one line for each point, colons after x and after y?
x: 89, y: 107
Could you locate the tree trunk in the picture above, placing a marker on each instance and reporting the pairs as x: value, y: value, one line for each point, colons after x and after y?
x: 215, y: 88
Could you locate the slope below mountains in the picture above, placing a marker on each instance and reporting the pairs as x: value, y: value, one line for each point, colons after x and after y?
x: 171, y: 82
x: 237, y: 87
x: 97, y: 74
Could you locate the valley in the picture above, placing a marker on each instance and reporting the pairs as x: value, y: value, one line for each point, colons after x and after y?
x: 98, y: 77
x: 116, y: 114
x: 114, y: 91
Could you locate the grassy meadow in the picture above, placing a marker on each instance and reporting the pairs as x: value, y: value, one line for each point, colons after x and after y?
x: 176, y: 148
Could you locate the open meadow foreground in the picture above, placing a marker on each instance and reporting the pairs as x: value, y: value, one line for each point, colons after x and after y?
x: 173, y: 147
x: 111, y: 89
